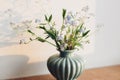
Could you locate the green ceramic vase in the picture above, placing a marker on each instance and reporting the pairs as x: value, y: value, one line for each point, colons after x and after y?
x: 65, y: 66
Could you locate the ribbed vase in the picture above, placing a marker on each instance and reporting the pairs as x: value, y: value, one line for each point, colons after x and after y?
x: 65, y: 66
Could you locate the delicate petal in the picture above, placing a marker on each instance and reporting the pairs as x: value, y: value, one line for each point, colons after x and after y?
x: 68, y: 17
x: 37, y: 20
x: 62, y: 48
x: 59, y: 38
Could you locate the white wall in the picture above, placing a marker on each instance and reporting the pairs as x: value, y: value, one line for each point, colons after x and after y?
x: 29, y: 60
x: 107, y: 40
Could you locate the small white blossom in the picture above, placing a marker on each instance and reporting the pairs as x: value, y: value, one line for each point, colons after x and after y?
x: 81, y: 31
x: 59, y: 38
x: 62, y: 48
x: 85, y: 9
x: 37, y: 20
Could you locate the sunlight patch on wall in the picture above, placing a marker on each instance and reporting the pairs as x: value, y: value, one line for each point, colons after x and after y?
x: 16, y: 11
x: 20, y: 10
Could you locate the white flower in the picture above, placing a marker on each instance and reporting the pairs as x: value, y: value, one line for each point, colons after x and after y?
x: 68, y: 17
x: 62, y: 48
x: 85, y: 9
x: 37, y: 20
x: 60, y: 38
x: 81, y: 31
x: 71, y: 19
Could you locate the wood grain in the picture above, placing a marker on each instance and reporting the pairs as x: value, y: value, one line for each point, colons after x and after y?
x: 106, y: 73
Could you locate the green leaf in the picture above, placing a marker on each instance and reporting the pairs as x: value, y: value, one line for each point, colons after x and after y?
x: 81, y: 26
x: 46, y: 18
x: 78, y: 29
x: 30, y: 32
x: 50, y: 18
x: 51, y: 34
x: 47, y: 37
x: 42, y: 23
x: 42, y: 27
x: 69, y: 29
x: 40, y: 39
x: 84, y: 34
x: 30, y: 39
x: 79, y: 45
x: 64, y: 13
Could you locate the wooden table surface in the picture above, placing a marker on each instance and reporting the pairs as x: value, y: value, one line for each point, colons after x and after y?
x: 105, y: 73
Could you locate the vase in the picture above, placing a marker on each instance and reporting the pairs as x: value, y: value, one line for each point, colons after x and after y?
x: 66, y: 65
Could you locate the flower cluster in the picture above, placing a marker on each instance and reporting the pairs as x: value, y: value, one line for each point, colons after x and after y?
x: 72, y: 33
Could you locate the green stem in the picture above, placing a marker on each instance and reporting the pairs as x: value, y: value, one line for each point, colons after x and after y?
x: 50, y: 43
x: 30, y: 41
x: 57, y: 44
x: 62, y: 26
x: 45, y: 41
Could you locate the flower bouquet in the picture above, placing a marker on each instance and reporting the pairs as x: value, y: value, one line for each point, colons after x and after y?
x: 70, y: 35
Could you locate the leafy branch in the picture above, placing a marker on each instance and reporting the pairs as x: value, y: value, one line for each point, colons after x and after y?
x: 73, y: 37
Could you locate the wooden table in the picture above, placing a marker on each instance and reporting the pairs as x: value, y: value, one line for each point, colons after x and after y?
x: 105, y: 73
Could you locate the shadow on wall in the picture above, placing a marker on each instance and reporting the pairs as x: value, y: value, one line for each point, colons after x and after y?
x: 34, y: 69
x: 17, y: 66
x: 5, y: 44
x: 12, y: 66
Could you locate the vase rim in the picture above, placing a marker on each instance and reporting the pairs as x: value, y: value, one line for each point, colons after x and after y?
x: 69, y: 51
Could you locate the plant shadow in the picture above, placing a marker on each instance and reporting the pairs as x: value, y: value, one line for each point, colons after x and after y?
x: 5, y: 44
x: 12, y: 65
